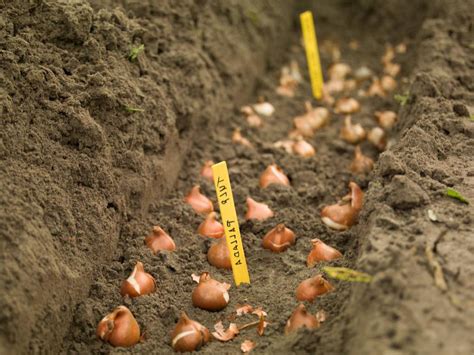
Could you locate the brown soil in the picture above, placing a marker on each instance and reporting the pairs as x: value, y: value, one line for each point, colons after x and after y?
x: 83, y: 180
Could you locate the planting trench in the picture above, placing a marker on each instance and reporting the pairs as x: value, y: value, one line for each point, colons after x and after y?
x: 403, y: 310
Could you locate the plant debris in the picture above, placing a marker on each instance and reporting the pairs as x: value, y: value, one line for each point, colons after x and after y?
x: 401, y: 99
x: 457, y: 195
x: 346, y: 274
x: 132, y: 109
x: 247, y: 346
x: 135, y: 51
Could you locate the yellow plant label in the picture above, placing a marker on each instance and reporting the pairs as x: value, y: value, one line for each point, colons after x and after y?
x: 230, y: 222
x: 312, y: 53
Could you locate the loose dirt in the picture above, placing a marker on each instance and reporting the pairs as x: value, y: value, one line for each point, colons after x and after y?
x: 404, y: 310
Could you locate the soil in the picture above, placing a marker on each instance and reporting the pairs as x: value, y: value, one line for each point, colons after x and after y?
x: 85, y: 180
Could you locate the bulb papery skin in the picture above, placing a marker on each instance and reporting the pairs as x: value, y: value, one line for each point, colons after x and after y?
x: 279, y: 239
x: 189, y: 335
x: 211, y: 227
x: 343, y: 215
x: 139, y: 283
x: 257, y: 210
x: 300, y: 318
x: 159, y: 240
x: 200, y: 203
x: 273, y: 175
x: 321, y: 252
x: 210, y: 294
x: 119, y: 328
x: 218, y: 255
x: 310, y: 288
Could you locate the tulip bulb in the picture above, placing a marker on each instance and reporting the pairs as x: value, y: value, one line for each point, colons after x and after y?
x: 295, y: 71
x: 264, y: 108
x: 303, y: 148
x: 310, y: 288
x: 389, y: 54
x: 388, y: 83
x: 363, y: 73
x: 386, y: 119
x: 273, y: 175
x: 200, y: 203
x: 218, y: 255
x: 321, y: 252
x: 119, y: 328
x: 286, y: 144
x: 210, y: 294
x: 138, y: 283
x: 347, y: 105
x: 344, y: 214
x: 189, y: 335
x: 253, y: 119
x: 287, y: 83
x: 159, y: 240
x: 391, y: 69
x: 339, y: 71
x: 211, y: 227
x: 361, y: 164
x: 257, y: 210
x: 279, y: 239
x: 334, y: 85
x: 318, y: 116
x: 350, y: 85
x: 352, y: 133
x: 301, y: 318
x: 206, y: 171
x: 303, y: 126
x: 376, y: 89
x: 376, y: 136
x: 237, y: 138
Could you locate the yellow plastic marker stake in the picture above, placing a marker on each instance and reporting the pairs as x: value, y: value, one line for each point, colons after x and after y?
x: 230, y: 222
x: 312, y: 53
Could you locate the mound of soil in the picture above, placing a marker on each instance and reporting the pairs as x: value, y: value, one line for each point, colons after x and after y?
x: 85, y: 176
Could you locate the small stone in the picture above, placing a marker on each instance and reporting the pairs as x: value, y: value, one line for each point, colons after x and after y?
x: 432, y: 216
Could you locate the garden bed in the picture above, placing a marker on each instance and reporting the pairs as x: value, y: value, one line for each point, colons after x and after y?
x: 98, y: 149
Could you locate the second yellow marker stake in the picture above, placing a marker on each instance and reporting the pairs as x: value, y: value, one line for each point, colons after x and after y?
x: 230, y: 222
x: 312, y: 53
